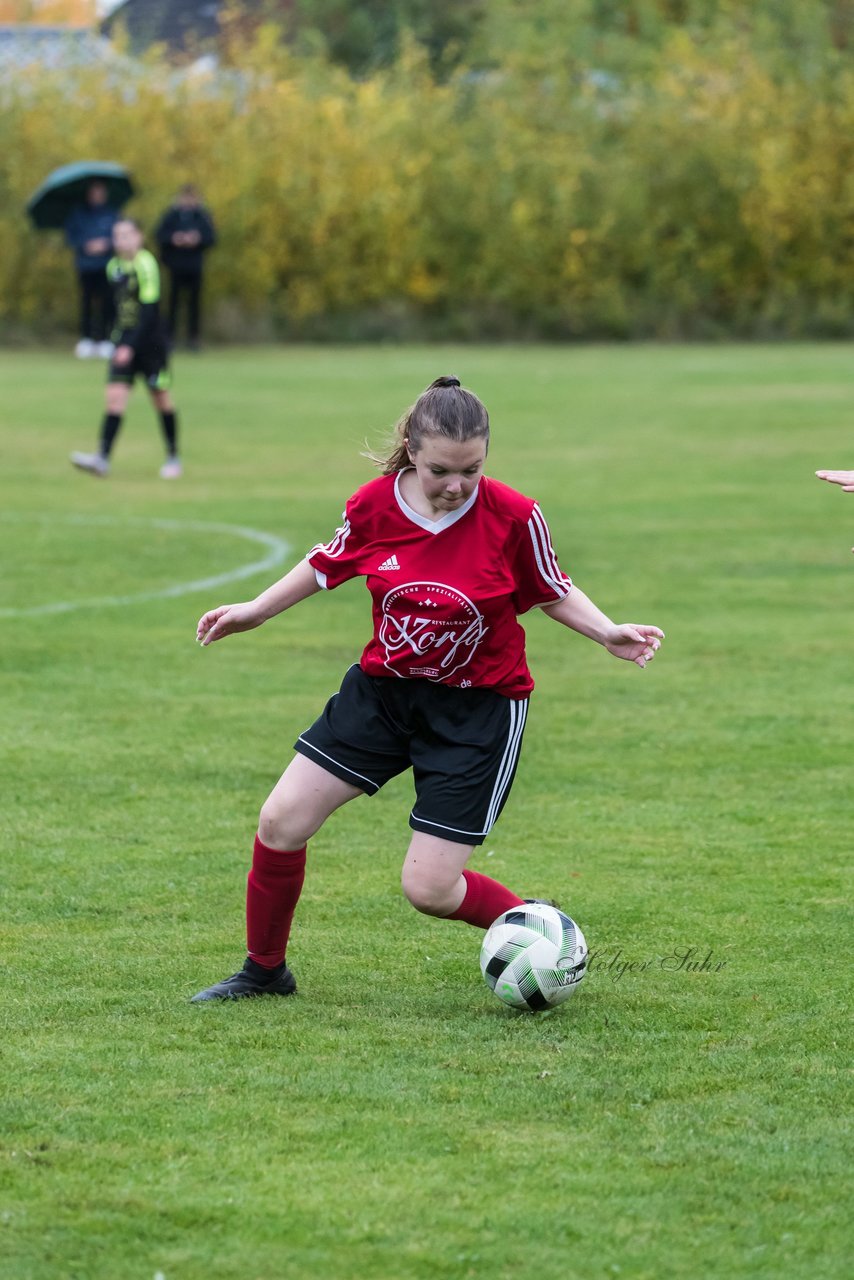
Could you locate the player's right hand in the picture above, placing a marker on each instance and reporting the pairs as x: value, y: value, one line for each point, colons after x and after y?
x: 843, y: 478
x: 226, y: 620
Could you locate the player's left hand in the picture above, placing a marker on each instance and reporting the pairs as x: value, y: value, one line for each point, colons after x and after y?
x: 122, y: 355
x: 843, y: 478
x: 634, y: 642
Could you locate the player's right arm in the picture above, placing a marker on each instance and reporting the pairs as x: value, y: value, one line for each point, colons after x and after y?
x: 228, y: 619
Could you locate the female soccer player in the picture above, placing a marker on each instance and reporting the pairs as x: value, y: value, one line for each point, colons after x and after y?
x: 140, y: 348
x: 451, y: 557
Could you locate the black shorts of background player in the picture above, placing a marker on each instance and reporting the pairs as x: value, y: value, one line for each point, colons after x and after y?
x: 140, y: 350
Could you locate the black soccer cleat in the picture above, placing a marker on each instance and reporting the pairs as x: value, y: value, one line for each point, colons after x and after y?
x: 250, y: 981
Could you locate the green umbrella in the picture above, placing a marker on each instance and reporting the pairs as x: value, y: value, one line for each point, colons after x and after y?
x: 67, y: 186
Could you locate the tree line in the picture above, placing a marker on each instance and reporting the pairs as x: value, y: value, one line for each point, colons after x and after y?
x: 595, y: 170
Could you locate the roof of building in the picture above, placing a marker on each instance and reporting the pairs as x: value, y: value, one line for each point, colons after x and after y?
x: 171, y: 22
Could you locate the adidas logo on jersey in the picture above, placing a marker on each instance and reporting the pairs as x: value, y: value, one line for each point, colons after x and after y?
x: 391, y: 563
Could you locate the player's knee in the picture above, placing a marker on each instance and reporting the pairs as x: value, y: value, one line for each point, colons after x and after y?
x: 426, y: 895
x: 283, y: 825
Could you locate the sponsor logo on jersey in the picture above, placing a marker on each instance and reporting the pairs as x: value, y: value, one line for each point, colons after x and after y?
x: 391, y: 563
x: 433, y: 623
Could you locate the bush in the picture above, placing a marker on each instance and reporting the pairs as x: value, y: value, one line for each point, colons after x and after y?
x: 708, y: 193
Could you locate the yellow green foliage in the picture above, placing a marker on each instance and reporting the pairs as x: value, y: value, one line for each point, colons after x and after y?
x: 707, y: 196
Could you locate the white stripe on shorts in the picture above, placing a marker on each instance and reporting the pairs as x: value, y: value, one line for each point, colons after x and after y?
x: 518, y: 715
x: 442, y: 826
x: 373, y: 785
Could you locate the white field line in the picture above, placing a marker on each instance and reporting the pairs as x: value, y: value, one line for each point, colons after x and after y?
x: 277, y: 550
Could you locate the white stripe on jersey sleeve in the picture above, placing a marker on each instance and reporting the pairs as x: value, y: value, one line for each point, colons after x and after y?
x: 547, y: 564
x: 336, y: 544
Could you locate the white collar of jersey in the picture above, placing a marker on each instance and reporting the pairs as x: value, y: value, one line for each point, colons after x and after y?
x: 432, y: 526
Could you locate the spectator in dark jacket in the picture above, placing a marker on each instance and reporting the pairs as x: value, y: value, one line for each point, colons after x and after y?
x: 89, y: 232
x: 184, y: 234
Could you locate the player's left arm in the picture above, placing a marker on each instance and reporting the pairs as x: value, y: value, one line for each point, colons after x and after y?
x: 636, y: 642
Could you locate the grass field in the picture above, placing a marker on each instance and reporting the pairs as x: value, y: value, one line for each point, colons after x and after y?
x: 394, y: 1120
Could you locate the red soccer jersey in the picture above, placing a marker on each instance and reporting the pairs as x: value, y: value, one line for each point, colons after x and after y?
x: 446, y: 592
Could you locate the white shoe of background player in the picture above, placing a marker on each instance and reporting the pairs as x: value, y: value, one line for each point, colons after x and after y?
x: 91, y: 462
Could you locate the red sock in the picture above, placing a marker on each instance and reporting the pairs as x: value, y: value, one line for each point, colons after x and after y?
x: 485, y: 901
x: 272, y: 892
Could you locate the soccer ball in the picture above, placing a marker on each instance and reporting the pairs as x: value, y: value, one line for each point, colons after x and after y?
x: 533, y: 956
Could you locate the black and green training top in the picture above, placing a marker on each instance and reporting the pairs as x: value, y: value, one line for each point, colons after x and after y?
x: 136, y: 291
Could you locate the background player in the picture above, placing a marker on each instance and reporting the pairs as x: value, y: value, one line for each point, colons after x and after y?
x: 451, y: 557
x: 140, y: 349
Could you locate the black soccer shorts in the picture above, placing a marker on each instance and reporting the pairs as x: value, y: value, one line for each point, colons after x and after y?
x: 462, y: 745
x: 149, y: 363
